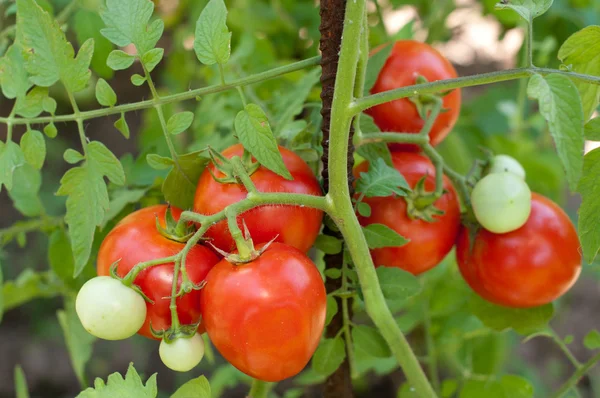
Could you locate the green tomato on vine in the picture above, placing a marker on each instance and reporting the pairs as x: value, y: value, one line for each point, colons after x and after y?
x: 182, y: 354
x: 506, y: 164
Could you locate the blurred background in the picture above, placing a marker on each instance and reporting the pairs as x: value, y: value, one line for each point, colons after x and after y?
x: 474, y: 36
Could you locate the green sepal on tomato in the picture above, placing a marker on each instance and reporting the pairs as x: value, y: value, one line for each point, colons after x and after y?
x: 293, y: 225
x: 429, y: 242
x: 136, y: 239
x: 266, y: 317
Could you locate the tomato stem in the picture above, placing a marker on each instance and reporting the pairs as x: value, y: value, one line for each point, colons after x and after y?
x: 260, y: 389
x: 575, y: 377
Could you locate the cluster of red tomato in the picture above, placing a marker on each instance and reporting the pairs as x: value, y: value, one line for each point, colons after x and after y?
x: 525, y: 252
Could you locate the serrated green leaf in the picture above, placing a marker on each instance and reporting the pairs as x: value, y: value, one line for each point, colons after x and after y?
x: 581, y: 52
x: 14, y: 79
x: 119, y: 60
x: 33, y: 103
x: 560, y: 105
x: 374, y: 151
x: 332, y: 309
x: 50, y: 130
x: 328, y: 244
x: 180, y: 122
x: 370, y: 341
x: 87, y: 25
x: 197, y: 388
x: 254, y: 132
x: 105, y: 94
x: 151, y: 58
x: 329, y: 356
x: 589, y: 212
x: 592, y: 129
x: 11, y: 157
x: 24, y: 194
x: 88, y: 199
x: 79, y: 341
x: 212, y: 42
x: 527, y: 9
x: 516, y: 387
x: 381, y: 180
x: 60, y: 256
x: 592, y: 340
x: 137, y: 79
x: 121, y: 198
x: 397, y: 284
x: 29, y: 285
x: 49, y: 56
x: 374, y: 66
x: 21, y: 383
x: 180, y: 185
x: 127, y: 22
x: 34, y: 148
x: 122, y: 126
x: 380, y: 235
x: 71, y: 156
x: 481, y: 388
x: 291, y: 103
x: 523, y: 320
x: 158, y: 162
x: 49, y: 105
x: 119, y: 387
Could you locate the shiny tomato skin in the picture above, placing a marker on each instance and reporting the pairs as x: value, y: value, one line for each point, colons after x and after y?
x: 429, y: 242
x: 135, y: 239
x: 407, y: 60
x: 293, y: 225
x: 528, y: 267
x: 266, y: 317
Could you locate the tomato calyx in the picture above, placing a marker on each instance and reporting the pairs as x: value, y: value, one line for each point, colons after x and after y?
x: 173, y: 230
x: 226, y: 167
x: 246, y: 252
x: 180, y: 331
x: 426, y: 103
x: 124, y: 281
x: 420, y: 203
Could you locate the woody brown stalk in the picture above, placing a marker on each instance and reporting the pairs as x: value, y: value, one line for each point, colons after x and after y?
x: 339, y: 384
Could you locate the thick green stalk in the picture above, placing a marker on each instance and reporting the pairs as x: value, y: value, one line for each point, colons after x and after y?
x: 259, y: 389
x: 341, y: 116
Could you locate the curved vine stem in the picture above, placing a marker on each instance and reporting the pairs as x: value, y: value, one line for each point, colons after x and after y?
x: 574, y: 379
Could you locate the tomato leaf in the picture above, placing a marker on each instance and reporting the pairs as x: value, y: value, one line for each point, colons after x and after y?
x: 72, y: 156
x: 180, y: 185
x: 212, y: 42
x: 180, y: 122
x: 60, y: 256
x: 122, y: 126
x: 197, y: 388
x: 29, y: 285
x: 328, y: 244
x: 581, y: 53
x: 11, y: 157
x: 21, y: 383
x: 119, y: 199
x: 592, y: 129
x: 87, y: 200
x: 560, y: 105
x: 117, y: 386
x: 14, y: 79
x: 25, y: 194
x: 381, y: 180
x: 379, y: 235
x: 481, y: 388
x: 137, y: 79
x: 332, y: 309
x: 49, y: 57
x: 158, y: 162
x: 119, y: 60
x: 87, y: 25
x: 79, y: 341
x: 397, y: 284
x: 592, y: 340
x: 254, y: 132
x: 329, y: 356
x: 374, y: 151
x: 523, y: 320
x: 32, y: 104
x: 105, y: 94
x: 50, y: 130
x: 151, y: 58
x: 291, y: 102
x: 374, y: 66
x: 516, y: 387
x: 34, y: 148
x: 363, y: 209
x: 127, y: 22
x: 370, y: 341
x: 589, y: 212
x: 528, y: 9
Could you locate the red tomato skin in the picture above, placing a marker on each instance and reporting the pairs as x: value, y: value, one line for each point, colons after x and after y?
x: 529, y: 267
x: 135, y: 239
x: 407, y: 60
x: 429, y: 242
x: 266, y: 317
x: 293, y: 225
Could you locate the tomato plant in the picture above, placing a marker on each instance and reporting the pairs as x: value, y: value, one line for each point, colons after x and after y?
x: 136, y: 239
x: 528, y: 267
x: 408, y: 60
x: 266, y: 316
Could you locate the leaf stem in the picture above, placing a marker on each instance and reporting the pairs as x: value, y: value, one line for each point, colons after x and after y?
x: 260, y: 389
x: 574, y: 379
x: 79, y: 121
x: 563, y: 347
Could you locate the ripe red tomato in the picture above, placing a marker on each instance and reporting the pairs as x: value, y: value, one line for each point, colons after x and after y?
x: 293, y: 225
x: 530, y: 266
x: 429, y: 242
x: 409, y: 59
x: 135, y: 239
x: 266, y: 317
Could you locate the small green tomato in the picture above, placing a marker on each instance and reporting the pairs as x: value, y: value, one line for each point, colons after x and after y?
x: 110, y: 310
x: 501, y: 202
x: 505, y: 163
x: 182, y: 354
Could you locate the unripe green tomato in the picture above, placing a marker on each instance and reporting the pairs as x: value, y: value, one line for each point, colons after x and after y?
x: 110, y: 310
x: 501, y: 202
x: 182, y: 354
x: 506, y: 164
